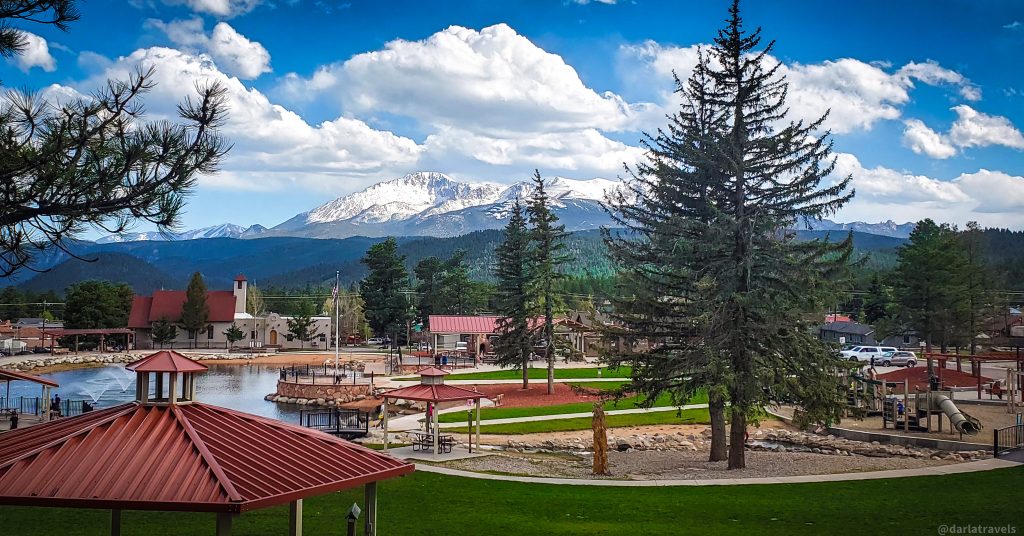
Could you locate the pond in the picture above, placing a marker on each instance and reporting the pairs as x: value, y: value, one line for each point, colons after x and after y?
x: 240, y: 387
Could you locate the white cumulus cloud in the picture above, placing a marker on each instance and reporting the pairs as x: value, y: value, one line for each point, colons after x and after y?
x: 35, y: 54
x: 272, y: 146
x: 219, y: 8
x: 232, y: 51
x: 856, y: 93
x: 923, y: 140
x: 991, y: 198
x: 975, y: 129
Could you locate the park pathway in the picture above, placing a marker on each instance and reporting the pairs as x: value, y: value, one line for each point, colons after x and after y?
x: 968, y: 467
x: 414, y: 422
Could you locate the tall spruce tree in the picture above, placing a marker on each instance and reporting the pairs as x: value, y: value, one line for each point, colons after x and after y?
x: 546, y: 257
x: 514, y: 343
x: 386, y: 308
x: 740, y: 285
x: 666, y: 211
x: 195, y: 313
x: 978, y: 279
x: 925, y: 282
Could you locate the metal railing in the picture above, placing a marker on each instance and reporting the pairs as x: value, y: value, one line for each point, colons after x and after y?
x: 348, y: 423
x: 325, y: 375
x: 32, y: 405
x: 1006, y: 439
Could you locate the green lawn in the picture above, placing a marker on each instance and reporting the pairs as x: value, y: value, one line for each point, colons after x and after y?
x: 689, y: 416
x: 536, y: 374
x: 428, y: 504
x: 487, y: 414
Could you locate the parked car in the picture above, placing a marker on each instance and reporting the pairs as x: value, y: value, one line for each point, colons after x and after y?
x: 461, y: 346
x: 865, y: 353
x: 423, y: 347
x: 899, y: 358
x: 374, y: 341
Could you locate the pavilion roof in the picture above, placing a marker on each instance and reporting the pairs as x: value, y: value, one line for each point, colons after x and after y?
x: 166, y: 361
x: 433, y: 393
x: 918, y: 377
x: 14, y: 376
x: 193, y: 457
x: 432, y: 371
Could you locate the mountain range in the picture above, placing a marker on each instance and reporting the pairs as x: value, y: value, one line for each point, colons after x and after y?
x: 434, y: 204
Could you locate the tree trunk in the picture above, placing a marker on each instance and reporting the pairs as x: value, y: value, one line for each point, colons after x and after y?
x: 719, y: 446
x: 600, y: 440
x: 526, y: 371
x: 737, y: 439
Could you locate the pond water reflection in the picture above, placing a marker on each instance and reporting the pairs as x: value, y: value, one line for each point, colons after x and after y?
x: 240, y: 387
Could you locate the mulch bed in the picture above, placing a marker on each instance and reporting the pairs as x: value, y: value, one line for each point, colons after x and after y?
x: 537, y: 395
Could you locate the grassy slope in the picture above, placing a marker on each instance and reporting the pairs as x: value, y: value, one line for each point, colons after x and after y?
x: 689, y: 416
x: 576, y: 407
x: 535, y: 374
x: 413, y: 506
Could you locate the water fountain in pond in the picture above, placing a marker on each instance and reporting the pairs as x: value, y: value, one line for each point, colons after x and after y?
x: 95, y: 392
x: 123, y: 378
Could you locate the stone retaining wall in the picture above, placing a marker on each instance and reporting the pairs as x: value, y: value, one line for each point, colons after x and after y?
x: 318, y: 395
x: 44, y: 360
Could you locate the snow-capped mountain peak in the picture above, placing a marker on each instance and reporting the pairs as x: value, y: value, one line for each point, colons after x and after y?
x: 404, y: 198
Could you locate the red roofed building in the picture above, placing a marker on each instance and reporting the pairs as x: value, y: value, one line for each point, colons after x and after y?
x: 227, y: 307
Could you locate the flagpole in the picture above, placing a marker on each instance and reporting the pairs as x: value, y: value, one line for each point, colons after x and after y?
x: 337, y: 323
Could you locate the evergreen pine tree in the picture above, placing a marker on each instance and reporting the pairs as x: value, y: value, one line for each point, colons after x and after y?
x: 514, y: 343
x: 385, y: 306
x: 163, y: 332
x: 233, y: 335
x: 546, y: 258
x: 978, y: 279
x: 195, y: 313
x: 736, y: 295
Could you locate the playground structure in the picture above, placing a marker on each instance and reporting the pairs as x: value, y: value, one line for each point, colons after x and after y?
x: 1012, y: 386
x: 907, y: 408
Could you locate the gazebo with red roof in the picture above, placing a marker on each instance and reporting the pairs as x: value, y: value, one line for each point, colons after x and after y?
x: 44, y: 401
x: 165, y: 451
x: 432, y: 390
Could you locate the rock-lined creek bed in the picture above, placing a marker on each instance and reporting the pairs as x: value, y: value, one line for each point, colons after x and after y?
x: 37, y: 362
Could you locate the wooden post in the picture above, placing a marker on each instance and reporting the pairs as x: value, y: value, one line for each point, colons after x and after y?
x: 224, y: 520
x: 600, y: 466
x: 115, y: 523
x: 172, y: 384
x: 433, y: 417
x: 370, y: 509
x: 906, y: 405
x: 295, y: 518
x: 385, y: 424
x: 478, y: 424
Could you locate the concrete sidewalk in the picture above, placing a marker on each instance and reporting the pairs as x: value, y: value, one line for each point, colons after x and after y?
x: 414, y: 422
x: 969, y: 467
x: 571, y: 415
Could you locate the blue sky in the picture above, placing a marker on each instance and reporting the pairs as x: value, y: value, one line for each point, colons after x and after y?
x: 329, y: 97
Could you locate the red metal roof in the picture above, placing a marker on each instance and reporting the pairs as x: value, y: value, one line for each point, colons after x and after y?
x: 433, y: 393
x: 432, y: 371
x: 167, y: 305
x: 166, y: 361
x: 139, y: 315
x: 240, y: 277
x: 14, y: 376
x: 462, y: 324
x: 186, y: 457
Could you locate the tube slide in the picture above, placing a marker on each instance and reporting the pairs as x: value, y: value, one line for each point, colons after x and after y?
x: 963, y: 422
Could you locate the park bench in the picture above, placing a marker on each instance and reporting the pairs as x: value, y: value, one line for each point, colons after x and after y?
x: 497, y: 399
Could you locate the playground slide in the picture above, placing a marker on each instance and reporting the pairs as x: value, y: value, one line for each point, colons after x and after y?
x: 963, y: 422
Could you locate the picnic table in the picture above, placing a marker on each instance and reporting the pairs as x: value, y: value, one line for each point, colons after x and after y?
x: 422, y: 441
